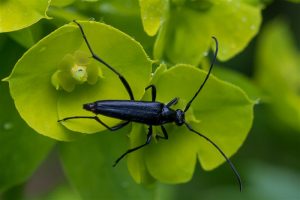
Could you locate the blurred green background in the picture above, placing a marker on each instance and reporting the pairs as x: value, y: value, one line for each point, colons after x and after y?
x: 268, y: 69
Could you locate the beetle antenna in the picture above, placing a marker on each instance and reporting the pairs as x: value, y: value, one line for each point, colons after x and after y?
x: 121, y: 77
x: 207, y: 76
x: 223, y: 154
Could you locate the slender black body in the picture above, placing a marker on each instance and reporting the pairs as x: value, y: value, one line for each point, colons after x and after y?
x: 146, y: 112
x: 151, y: 113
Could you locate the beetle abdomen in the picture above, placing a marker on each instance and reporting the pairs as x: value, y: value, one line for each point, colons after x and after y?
x: 138, y: 111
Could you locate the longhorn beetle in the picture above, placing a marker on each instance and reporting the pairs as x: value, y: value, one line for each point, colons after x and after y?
x: 151, y: 113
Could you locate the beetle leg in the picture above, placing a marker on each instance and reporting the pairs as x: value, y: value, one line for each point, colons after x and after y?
x: 165, y: 137
x: 172, y: 102
x: 148, y: 140
x: 121, y: 77
x: 114, y: 128
x: 153, y: 91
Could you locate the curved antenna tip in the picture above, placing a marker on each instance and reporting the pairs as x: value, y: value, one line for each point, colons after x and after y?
x: 216, y: 41
x: 237, y: 175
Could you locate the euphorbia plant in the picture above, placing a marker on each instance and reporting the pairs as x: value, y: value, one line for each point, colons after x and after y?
x: 222, y: 112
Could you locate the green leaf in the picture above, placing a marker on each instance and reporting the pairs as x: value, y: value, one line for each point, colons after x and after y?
x: 62, y: 16
x: 15, y: 192
x: 240, y: 80
x: 23, y: 37
x: 125, y: 16
x: 153, y: 14
x: 96, y: 178
x: 22, y: 150
x: 61, y: 3
x: 15, y: 15
x: 190, y: 28
x: 278, y: 71
x: 222, y: 112
x: 28, y: 36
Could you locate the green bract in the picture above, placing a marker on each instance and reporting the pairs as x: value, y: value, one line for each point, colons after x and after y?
x: 16, y: 14
x: 152, y: 12
x: 61, y: 3
x: 41, y: 105
x: 185, y: 35
x: 278, y: 71
x: 241, y: 80
x: 222, y: 112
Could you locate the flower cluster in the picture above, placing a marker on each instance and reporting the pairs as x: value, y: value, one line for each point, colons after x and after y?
x: 75, y: 69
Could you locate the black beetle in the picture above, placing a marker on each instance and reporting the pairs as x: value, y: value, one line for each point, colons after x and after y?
x: 151, y: 113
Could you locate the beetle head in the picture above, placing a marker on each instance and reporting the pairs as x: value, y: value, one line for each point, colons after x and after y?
x: 90, y: 107
x: 180, y: 117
